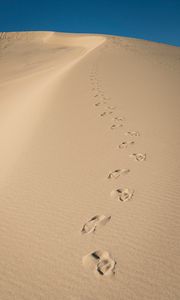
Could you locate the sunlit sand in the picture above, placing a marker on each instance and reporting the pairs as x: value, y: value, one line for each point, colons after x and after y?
x: 89, y: 168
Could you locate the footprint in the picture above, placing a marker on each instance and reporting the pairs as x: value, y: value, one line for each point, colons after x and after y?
x: 106, y: 266
x: 97, y: 104
x: 100, y: 262
x: 133, y: 133
x: 139, y: 156
x: 109, y: 112
x: 103, y: 114
x: 114, y: 126
x: 122, y: 194
x: 118, y: 172
x: 92, y: 224
x: 124, y: 145
x: 118, y: 119
x: 111, y: 107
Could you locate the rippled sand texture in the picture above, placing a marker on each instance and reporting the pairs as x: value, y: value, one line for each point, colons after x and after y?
x: 89, y: 168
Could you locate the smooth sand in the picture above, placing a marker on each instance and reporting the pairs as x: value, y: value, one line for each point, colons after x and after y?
x: 89, y: 160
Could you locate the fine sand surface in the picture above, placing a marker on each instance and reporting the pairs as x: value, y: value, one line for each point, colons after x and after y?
x: 89, y: 168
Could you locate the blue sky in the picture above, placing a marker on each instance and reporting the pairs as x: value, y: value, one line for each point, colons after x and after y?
x: 156, y: 20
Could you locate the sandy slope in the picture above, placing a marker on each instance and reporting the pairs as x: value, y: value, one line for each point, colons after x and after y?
x: 61, y: 140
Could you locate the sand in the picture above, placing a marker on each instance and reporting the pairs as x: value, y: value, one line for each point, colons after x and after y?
x: 89, y: 181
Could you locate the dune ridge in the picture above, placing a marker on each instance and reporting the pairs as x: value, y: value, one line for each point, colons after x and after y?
x: 89, y: 129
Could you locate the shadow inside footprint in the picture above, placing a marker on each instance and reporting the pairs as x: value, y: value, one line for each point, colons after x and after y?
x: 100, y: 262
x: 122, y: 194
x: 118, y: 119
x: 124, y: 145
x: 97, y: 104
x: 115, y: 126
x: 103, y: 114
x: 118, y: 172
x: 93, y: 223
x: 133, y: 133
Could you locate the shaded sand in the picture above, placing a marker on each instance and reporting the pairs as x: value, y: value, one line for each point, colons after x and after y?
x: 89, y: 135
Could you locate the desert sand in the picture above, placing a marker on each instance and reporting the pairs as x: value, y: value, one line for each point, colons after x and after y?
x: 89, y: 160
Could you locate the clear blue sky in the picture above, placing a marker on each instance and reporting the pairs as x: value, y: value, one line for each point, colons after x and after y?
x: 156, y: 20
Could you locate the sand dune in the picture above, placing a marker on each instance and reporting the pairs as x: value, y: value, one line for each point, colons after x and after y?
x: 89, y: 197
